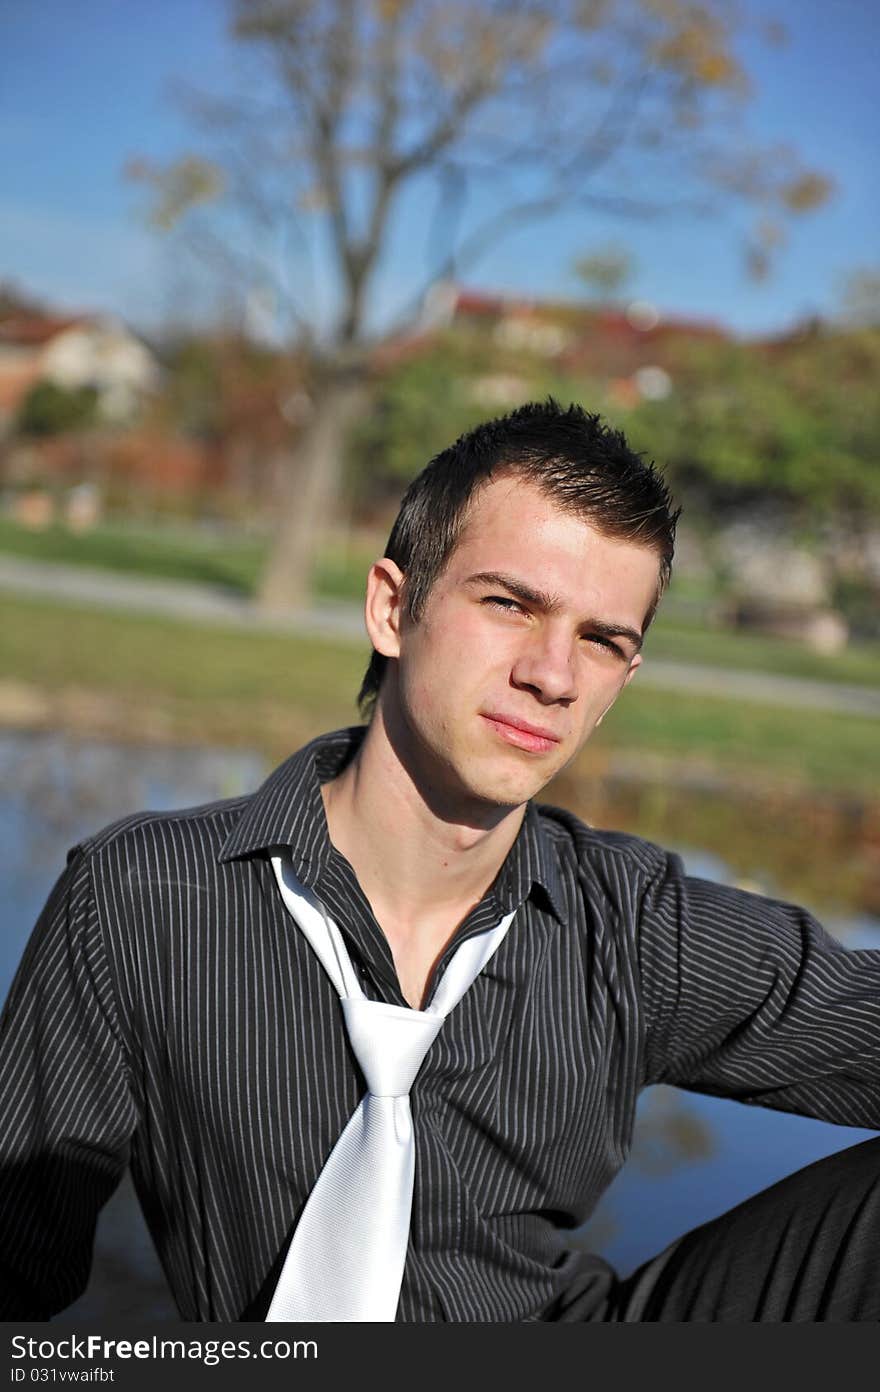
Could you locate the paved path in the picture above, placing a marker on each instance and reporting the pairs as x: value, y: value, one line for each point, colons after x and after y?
x: 338, y: 619
x: 176, y: 599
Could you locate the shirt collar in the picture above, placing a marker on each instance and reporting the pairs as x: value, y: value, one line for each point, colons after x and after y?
x: 288, y: 810
x: 531, y: 861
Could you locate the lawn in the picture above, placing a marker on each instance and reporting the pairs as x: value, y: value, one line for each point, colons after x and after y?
x: 253, y: 688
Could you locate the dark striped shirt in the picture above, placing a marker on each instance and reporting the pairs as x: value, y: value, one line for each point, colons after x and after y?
x: 168, y: 1014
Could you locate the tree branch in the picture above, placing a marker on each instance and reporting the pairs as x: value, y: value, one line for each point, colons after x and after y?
x: 531, y: 210
x: 239, y: 269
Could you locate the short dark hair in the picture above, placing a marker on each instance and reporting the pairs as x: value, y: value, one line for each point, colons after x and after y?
x: 582, y: 464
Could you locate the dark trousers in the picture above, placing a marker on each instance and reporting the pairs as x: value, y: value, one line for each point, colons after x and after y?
x: 805, y: 1250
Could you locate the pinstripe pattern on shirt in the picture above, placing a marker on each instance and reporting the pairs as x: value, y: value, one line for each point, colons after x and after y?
x: 167, y: 1013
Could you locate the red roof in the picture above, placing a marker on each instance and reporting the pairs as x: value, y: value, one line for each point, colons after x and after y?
x: 602, y: 318
x: 33, y: 330
x: 472, y: 302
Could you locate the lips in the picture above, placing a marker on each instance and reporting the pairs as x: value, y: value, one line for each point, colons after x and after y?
x: 537, y: 739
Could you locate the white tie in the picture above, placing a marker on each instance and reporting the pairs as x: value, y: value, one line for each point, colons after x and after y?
x: 345, y: 1263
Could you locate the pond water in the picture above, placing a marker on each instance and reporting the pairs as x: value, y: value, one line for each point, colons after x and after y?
x: 693, y: 1156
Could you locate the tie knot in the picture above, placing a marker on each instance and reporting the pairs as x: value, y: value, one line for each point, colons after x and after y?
x: 389, y: 1042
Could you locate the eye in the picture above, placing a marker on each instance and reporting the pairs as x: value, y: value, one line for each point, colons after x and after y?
x: 504, y: 602
x: 605, y: 643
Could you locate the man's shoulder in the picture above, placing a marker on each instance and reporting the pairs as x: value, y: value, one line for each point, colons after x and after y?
x: 226, y: 832
x: 205, y: 826
x: 592, y: 847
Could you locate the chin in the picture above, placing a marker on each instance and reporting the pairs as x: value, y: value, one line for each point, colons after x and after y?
x: 508, y: 788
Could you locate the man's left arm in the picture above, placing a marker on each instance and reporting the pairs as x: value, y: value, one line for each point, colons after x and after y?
x: 749, y: 997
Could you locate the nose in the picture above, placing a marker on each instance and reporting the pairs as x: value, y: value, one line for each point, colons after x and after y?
x: 547, y: 666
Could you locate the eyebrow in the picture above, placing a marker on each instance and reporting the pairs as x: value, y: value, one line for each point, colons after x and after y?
x: 548, y: 603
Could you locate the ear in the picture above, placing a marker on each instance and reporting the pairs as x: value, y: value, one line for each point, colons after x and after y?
x: 382, y: 609
x: 633, y: 668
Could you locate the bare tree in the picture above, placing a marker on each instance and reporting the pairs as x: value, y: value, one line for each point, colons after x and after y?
x: 495, y: 114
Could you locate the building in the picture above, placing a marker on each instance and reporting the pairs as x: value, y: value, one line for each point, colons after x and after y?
x: 74, y: 351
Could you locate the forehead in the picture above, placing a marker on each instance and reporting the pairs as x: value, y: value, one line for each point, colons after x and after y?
x: 514, y: 527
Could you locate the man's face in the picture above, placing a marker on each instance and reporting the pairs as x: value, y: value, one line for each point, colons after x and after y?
x: 527, y: 638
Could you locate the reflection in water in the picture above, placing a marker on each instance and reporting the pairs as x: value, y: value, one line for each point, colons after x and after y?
x: 692, y: 1156
x: 821, y: 850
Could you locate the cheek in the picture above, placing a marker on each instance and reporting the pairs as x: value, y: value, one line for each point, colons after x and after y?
x: 454, y: 652
x: 429, y: 672
x: 452, y: 663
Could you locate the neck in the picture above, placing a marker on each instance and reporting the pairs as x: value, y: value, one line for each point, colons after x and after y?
x: 422, y: 859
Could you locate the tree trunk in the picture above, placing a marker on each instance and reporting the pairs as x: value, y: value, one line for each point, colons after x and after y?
x: 309, y: 496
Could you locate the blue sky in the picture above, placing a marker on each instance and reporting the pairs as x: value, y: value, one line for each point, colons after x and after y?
x: 84, y: 85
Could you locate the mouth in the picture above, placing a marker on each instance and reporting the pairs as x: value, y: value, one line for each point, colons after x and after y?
x: 536, y: 739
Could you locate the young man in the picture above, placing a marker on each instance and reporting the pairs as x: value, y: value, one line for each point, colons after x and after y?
x: 371, y: 1039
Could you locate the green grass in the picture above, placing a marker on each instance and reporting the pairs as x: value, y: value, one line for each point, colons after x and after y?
x: 222, y: 682
x: 57, y: 645
x: 816, y: 748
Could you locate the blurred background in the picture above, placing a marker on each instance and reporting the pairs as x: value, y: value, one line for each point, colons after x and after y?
x: 259, y: 261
